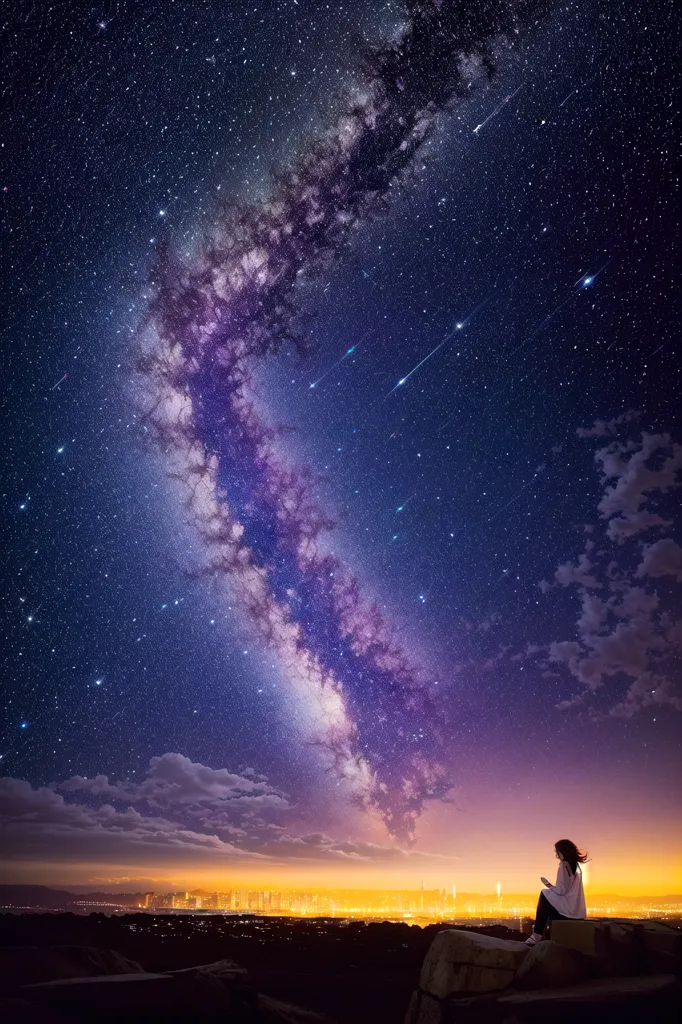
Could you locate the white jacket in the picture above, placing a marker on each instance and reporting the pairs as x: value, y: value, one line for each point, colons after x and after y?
x: 567, y: 895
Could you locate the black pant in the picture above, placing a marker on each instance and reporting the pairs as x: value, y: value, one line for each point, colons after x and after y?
x: 545, y: 913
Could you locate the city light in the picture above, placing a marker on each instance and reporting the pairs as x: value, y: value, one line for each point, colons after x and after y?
x: 420, y: 906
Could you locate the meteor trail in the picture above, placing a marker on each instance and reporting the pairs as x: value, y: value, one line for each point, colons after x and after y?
x: 348, y: 352
x: 403, y: 380
x: 497, y: 109
x: 58, y: 382
x: 460, y: 325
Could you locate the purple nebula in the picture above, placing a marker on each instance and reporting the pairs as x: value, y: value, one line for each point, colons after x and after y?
x: 213, y: 321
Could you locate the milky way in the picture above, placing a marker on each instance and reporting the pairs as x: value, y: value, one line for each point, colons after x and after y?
x: 214, y: 320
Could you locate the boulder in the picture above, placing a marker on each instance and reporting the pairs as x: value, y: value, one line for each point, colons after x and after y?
x: 549, y: 965
x: 575, y: 934
x: 624, y: 946
x: 645, y: 947
x: 226, y: 971
x: 468, y: 962
x: 152, y: 998
x: 232, y: 977
x: 645, y: 1000
x: 424, y: 1009
x: 640, y: 1000
x: 29, y: 965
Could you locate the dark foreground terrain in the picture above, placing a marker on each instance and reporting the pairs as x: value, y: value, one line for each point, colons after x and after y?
x: 354, y: 972
x: 63, y: 968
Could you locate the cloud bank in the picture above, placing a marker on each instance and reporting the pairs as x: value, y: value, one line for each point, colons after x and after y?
x: 628, y: 633
x: 181, y: 814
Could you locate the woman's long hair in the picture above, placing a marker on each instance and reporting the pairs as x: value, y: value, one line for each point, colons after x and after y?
x: 571, y: 854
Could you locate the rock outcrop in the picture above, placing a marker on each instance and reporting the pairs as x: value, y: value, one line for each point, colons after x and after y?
x: 624, y: 947
x: 467, y: 962
x: 640, y: 1000
x: 474, y: 978
x: 549, y: 965
x: 216, y: 992
x: 29, y: 965
x: 135, y: 997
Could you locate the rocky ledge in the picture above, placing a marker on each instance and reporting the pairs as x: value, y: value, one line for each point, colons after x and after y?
x: 602, y: 970
x: 70, y: 984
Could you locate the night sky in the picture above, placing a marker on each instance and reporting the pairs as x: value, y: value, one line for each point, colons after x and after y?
x: 341, y: 462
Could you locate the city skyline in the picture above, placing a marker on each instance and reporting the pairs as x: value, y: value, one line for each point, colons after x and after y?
x: 420, y: 906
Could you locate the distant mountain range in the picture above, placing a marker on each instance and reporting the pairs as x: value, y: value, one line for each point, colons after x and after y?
x: 44, y: 898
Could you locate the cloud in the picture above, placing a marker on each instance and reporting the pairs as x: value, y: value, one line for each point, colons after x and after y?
x: 174, y: 779
x: 663, y: 558
x: 647, y: 691
x: 625, y: 637
x: 622, y: 527
x: 579, y: 574
x: 594, y: 614
x: 40, y: 823
x: 654, y: 465
x: 603, y: 428
x: 209, y: 815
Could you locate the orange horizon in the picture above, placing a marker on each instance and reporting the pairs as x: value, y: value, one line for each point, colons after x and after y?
x: 660, y: 880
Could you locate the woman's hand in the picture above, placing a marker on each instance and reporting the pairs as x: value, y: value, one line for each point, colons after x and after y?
x: 545, y: 882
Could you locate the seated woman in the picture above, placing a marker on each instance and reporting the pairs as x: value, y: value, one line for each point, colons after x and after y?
x: 566, y: 899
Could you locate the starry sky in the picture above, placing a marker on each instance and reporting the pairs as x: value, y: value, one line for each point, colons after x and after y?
x: 341, y: 462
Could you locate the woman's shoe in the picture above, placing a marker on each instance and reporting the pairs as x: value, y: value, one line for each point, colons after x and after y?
x: 533, y: 940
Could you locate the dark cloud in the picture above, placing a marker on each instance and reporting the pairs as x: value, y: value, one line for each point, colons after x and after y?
x: 208, y: 814
x: 662, y: 558
x: 605, y: 428
x: 40, y: 823
x: 632, y: 471
x: 580, y: 573
x: 625, y: 635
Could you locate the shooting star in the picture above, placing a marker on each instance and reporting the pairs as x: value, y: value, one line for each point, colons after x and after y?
x: 497, y: 109
x: 518, y: 494
x: 587, y: 279
x: 404, y: 380
x: 459, y: 325
x: 576, y: 89
x: 349, y: 352
x: 61, y: 381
